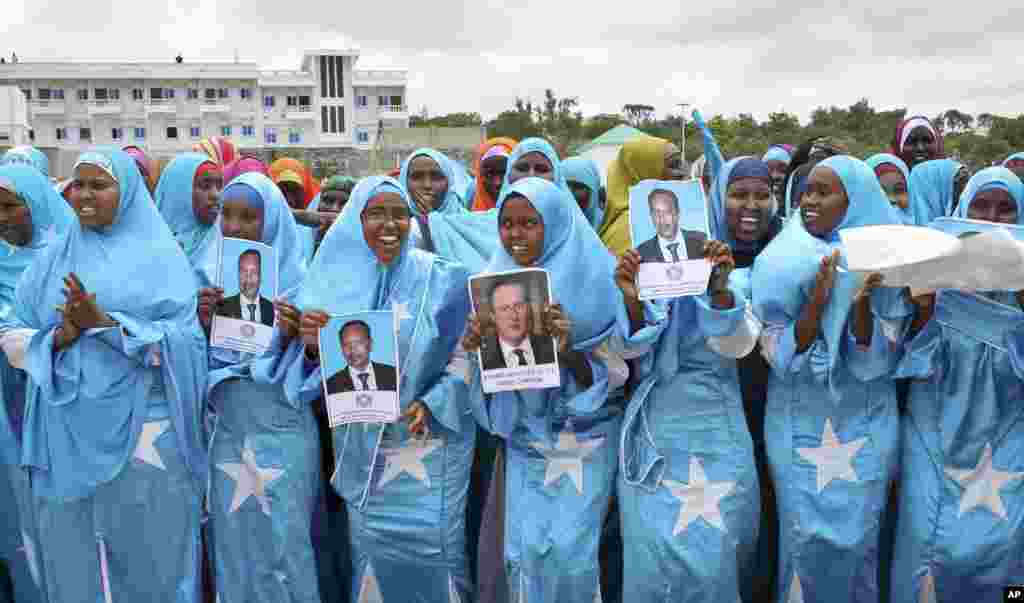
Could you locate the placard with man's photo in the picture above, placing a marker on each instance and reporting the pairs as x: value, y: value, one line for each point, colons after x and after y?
x: 359, y: 367
x: 669, y: 225
x: 244, y: 319
x: 514, y: 352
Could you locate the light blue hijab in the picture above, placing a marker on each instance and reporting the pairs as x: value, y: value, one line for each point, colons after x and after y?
x: 784, y: 273
x: 27, y: 155
x: 719, y: 193
x: 931, y: 190
x: 882, y: 158
x: 457, y: 234
x: 584, y: 171
x: 536, y: 145
x: 989, y: 178
x: 1014, y: 157
x: 51, y: 217
x: 87, y: 403
x: 174, y: 199
x: 777, y: 153
x: 280, y: 232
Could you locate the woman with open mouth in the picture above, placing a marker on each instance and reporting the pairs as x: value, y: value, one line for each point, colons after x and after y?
x: 831, y: 424
x: 407, y: 523
x: 113, y: 442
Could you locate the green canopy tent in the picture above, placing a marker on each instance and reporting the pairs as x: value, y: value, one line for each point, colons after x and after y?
x: 605, y: 147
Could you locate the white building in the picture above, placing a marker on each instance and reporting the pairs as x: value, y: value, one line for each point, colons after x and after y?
x: 14, y: 125
x: 167, y: 107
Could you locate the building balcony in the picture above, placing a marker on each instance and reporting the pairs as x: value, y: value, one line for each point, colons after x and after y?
x: 48, y: 107
x: 215, y: 106
x: 105, y: 107
x: 300, y: 112
x: 393, y: 112
x: 380, y: 77
x: 162, y: 106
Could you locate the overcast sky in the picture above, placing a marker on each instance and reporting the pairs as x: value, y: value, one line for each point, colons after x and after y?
x: 478, y: 55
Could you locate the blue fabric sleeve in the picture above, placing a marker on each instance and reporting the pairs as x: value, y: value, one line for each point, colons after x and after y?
x: 872, y: 361
x: 919, y: 354
x: 778, y: 345
x: 718, y: 323
x: 655, y: 321
x: 442, y: 399
x: 712, y: 153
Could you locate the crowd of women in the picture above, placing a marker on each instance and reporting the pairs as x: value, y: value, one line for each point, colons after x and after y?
x: 796, y: 433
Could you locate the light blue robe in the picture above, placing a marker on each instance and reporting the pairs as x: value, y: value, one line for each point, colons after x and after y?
x: 585, y: 172
x: 264, y: 455
x: 561, y: 443
x: 831, y: 423
x: 960, y: 530
x: 406, y: 499
x: 931, y: 190
x: 112, y: 425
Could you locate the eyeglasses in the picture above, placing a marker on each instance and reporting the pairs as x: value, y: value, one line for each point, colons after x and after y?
x: 518, y: 308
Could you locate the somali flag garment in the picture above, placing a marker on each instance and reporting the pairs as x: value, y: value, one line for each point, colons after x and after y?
x: 174, y: 200
x: 112, y: 425
x: 831, y: 423
x: 51, y: 217
x: 931, y: 190
x: 585, y: 172
x: 406, y: 499
x: 960, y: 529
x: 561, y: 443
x: 454, y: 232
x: 264, y: 456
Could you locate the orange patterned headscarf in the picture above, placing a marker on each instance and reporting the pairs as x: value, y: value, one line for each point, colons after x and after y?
x: 482, y: 200
x: 219, y: 149
x: 287, y: 169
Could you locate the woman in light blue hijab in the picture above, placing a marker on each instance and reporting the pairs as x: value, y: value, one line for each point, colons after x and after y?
x: 585, y: 182
x: 961, y: 512
x: 407, y: 522
x: 27, y: 155
x: 188, y: 197
x: 831, y: 422
x: 116, y: 366
x: 34, y: 215
x: 445, y: 226
x: 265, y: 463
x: 894, y: 176
x: 554, y: 515
x: 933, y: 190
x: 534, y: 157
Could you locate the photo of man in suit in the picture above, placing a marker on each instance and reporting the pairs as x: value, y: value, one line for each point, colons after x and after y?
x: 514, y: 345
x: 361, y: 374
x: 669, y: 244
x: 248, y: 304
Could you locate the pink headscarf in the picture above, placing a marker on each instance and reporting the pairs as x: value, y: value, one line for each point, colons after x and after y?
x: 244, y: 165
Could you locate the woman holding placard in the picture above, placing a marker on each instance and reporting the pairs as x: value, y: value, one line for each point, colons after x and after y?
x: 960, y: 528
x: 561, y: 442
x: 407, y: 521
x: 264, y: 454
x: 688, y: 489
x: 831, y: 421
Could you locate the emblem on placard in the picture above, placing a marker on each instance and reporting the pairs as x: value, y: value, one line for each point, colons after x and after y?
x: 674, y: 272
x: 364, y: 400
x: 248, y: 331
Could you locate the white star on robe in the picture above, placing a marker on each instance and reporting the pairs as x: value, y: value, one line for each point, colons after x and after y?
x: 566, y: 458
x: 408, y: 459
x: 250, y: 479
x: 146, y: 450
x: 699, y: 498
x: 28, y: 546
x: 981, y: 485
x: 926, y: 594
x: 369, y: 590
x: 833, y: 458
x: 796, y: 590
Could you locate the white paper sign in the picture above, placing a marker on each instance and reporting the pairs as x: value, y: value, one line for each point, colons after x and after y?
x: 247, y: 271
x: 362, y: 407
x: 241, y: 335
x: 660, y: 280
x: 359, y: 368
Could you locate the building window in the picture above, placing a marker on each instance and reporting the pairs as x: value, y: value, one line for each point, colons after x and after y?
x: 268, y: 102
x: 169, y: 92
x: 28, y: 94
x: 245, y: 93
x: 223, y: 93
x: 172, y: 132
x: 83, y: 94
x: 116, y: 133
x: 225, y: 130
x: 334, y: 120
x: 32, y: 135
x: 292, y: 101
x: 44, y: 94
x: 304, y: 101
x: 192, y: 93
x: 210, y: 93
x: 140, y: 133
x: 323, y: 76
x: 396, y: 101
x: 294, y: 136
x: 195, y: 132
x: 324, y: 119
x: 363, y: 137
x: 114, y: 93
x: 137, y: 94
x: 62, y: 134
x: 156, y: 93
x: 58, y: 93
x: 331, y: 89
x: 85, y: 134
x: 270, y: 136
x: 248, y: 131
x: 361, y: 100
x: 338, y: 67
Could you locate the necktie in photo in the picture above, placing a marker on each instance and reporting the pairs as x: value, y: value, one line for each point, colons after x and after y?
x: 674, y: 248
x: 365, y: 378
x: 521, y: 356
x: 252, y: 312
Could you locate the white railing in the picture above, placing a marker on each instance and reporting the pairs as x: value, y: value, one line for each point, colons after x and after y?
x: 393, y: 108
x: 47, y: 103
x: 299, y: 108
x: 105, y: 103
x: 157, y: 102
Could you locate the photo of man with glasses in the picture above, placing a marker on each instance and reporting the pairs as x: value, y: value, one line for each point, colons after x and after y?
x: 513, y: 345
